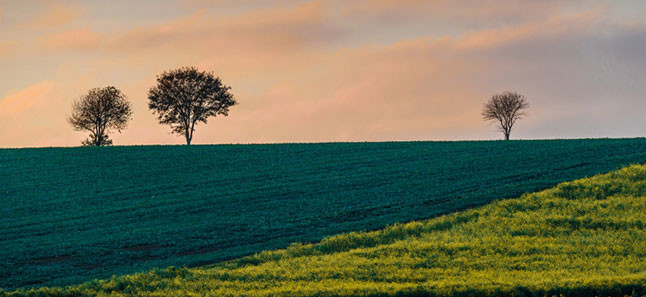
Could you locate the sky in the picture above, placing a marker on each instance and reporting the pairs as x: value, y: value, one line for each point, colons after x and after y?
x: 337, y: 70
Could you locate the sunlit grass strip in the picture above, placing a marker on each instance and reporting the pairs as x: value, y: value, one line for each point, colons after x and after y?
x: 581, y: 238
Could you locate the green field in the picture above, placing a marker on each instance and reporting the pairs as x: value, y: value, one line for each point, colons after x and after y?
x: 581, y: 238
x: 70, y: 215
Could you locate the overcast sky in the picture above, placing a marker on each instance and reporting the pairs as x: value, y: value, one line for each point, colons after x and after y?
x: 313, y: 71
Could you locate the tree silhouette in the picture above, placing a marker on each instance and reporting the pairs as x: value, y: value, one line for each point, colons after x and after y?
x: 505, y: 109
x: 186, y: 96
x: 100, y: 111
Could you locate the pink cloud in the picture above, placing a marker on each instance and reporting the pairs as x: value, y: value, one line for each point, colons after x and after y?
x: 18, y: 101
x: 297, y: 80
x: 36, y: 115
x: 553, y: 26
x: 56, y: 14
x: 74, y: 39
x: 6, y: 46
x: 268, y: 29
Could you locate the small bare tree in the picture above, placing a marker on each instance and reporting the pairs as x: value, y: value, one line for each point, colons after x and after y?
x: 100, y: 111
x: 505, y: 109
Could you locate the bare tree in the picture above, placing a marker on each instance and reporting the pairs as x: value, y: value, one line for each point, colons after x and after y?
x: 186, y: 96
x: 505, y: 109
x: 100, y: 111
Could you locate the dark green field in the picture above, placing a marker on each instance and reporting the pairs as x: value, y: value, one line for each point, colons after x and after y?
x: 581, y: 238
x: 73, y: 214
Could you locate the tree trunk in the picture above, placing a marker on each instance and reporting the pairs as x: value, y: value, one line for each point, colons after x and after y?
x: 98, y: 139
x: 188, y: 138
x: 506, y: 136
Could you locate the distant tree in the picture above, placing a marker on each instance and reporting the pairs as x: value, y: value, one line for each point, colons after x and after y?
x: 186, y: 96
x: 505, y: 109
x: 100, y: 111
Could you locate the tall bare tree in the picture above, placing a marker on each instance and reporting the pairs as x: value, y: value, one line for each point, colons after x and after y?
x: 505, y: 109
x: 100, y: 111
x: 186, y: 96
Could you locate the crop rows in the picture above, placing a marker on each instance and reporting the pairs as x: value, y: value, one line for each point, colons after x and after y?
x: 73, y: 214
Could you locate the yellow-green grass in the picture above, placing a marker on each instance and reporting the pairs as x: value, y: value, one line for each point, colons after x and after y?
x: 581, y: 238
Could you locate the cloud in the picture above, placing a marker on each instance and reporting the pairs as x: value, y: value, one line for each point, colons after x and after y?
x: 468, y: 13
x: 268, y: 29
x: 311, y: 71
x: 36, y: 115
x: 58, y: 13
x: 6, y: 47
x: 367, y: 94
x: 18, y: 101
x: 430, y: 88
x: 548, y: 28
x: 74, y: 39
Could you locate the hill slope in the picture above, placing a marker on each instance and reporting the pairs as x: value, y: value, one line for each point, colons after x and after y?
x: 581, y: 238
x: 69, y: 215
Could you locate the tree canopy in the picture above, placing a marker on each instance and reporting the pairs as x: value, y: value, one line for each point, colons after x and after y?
x: 185, y: 96
x: 100, y: 111
x: 505, y: 109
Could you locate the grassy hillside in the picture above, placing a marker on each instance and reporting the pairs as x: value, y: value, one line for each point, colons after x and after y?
x: 581, y: 238
x: 70, y: 215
